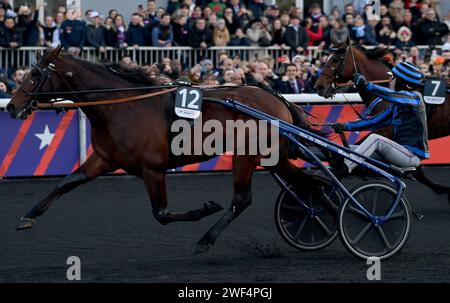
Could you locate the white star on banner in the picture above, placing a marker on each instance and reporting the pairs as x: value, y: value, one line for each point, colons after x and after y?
x: 46, y: 137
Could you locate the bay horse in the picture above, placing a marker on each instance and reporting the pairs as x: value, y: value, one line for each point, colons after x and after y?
x: 340, y: 68
x: 135, y: 136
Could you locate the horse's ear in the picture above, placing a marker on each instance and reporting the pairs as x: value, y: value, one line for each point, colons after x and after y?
x: 57, y: 50
x: 38, y: 56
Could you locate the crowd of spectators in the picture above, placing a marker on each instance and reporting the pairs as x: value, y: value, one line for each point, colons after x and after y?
x: 401, y: 24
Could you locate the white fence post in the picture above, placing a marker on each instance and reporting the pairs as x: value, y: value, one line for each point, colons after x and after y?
x: 82, y: 129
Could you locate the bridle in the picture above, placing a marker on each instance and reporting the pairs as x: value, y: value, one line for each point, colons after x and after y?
x: 339, y: 55
x: 44, y: 75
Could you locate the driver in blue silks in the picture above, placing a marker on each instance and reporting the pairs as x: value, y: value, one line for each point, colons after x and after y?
x: 406, y: 114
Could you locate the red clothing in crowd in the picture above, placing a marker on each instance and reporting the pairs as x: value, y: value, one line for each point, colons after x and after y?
x: 313, y: 37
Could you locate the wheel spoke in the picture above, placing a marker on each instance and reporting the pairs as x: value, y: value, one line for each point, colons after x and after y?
x: 383, y: 237
x: 398, y: 215
x: 322, y: 224
x: 300, y: 228
x: 375, y: 200
x: 286, y: 224
x: 362, y: 233
x: 294, y: 208
x: 356, y: 211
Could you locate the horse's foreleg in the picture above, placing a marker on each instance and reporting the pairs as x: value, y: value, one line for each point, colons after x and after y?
x: 155, y: 182
x: 243, y: 168
x: 419, y: 174
x: 92, y: 168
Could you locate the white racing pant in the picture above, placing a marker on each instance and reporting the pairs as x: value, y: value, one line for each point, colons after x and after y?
x: 392, y: 152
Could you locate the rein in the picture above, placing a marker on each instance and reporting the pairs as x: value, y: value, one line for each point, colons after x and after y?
x: 104, y: 102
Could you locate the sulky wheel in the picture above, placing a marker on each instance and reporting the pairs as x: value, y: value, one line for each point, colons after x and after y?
x: 360, y: 235
x: 309, y: 228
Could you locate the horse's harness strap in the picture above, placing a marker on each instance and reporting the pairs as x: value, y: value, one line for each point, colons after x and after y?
x: 105, y: 102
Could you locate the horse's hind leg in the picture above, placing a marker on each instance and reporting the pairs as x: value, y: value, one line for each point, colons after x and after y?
x: 155, y: 182
x: 92, y: 168
x: 243, y: 168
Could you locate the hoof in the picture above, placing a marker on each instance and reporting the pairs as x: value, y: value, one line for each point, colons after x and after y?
x: 201, y: 247
x: 25, y: 223
x: 211, y: 207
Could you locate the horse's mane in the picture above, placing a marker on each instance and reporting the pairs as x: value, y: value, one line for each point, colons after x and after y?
x: 374, y: 54
x: 134, y: 75
x: 377, y: 53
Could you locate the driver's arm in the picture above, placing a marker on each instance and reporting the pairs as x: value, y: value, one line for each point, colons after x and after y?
x: 400, y: 97
x: 376, y: 122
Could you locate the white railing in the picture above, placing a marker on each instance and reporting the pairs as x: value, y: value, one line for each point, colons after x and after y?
x: 295, y: 98
x: 25, y: 56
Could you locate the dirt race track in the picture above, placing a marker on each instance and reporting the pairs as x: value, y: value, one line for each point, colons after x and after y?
x: 109, y: 225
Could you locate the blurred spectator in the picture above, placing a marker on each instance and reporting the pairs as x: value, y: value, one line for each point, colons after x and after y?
x: 314, y: 38
x: 371, y: 32
x: 172, y: 6
x: 48, y: 31
x: 212, y: 21
x: 277, y: 32
x: 121, y: 32
x: 110, y: 33
x: 17, y: 78
x: 296, y: 36
x: 285, y: 19
x: 227, y: 77
x: 386, y: 33
x: 162, y: 34
x: 5, y: 4
x: 180, y: 30
x: 231, y: 20
x: 95, y: 34
x: 112, y: 13
x: 210, y: 79
x: 72, y: 34
x: 151, y: 11
x: 416, y: 57
x: 27, y: 20
x: 2, y: 15
x: 200, y: 36
x: 258, y: 35
x: 207, y: 12
x: 430, y: 30
x: 263, y: 76
x: 217, y: 7
x: 289, y: 84
x: 10, y: 34
x: 135, y: 34
x: 348, y: 10
x: 59, y: 19
x: 315, y: 12
x: 196, y: 14
x: 257, y: 7
x: 327, y: 25
x: 238, y: 77
x: 362, y: 33
x: 358, y: 6
x: 273, y: 13
x: 221, y: 36
x: 336, y: 13
x: 239, y: 39
x: 4, y: 94
x: 349, y: 20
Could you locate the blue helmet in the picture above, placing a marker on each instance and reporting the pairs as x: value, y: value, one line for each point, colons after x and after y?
x: 409, y: 73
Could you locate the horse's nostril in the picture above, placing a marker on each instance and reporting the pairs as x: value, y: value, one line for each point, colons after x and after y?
x: 10, y: 108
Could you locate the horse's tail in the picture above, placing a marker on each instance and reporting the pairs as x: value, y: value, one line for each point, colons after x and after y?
x: 298, y: 114
x: 300, y: 120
